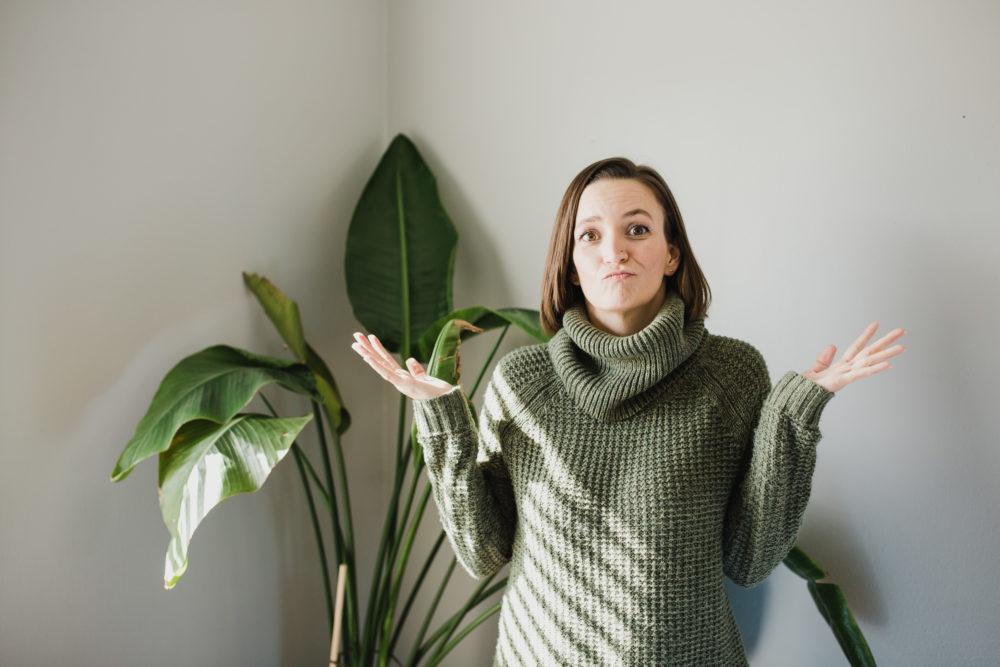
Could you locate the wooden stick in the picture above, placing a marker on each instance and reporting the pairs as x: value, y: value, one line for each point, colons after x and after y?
x: 338, y: 610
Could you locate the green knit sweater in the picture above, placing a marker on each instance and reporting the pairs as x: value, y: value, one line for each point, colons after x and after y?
x: 621, y: 477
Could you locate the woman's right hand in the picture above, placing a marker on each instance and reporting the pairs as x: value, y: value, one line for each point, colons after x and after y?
x: 415, y: 383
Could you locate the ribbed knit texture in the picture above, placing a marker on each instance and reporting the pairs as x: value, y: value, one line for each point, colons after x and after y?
x: 607, y: 376
x: 622, y: 477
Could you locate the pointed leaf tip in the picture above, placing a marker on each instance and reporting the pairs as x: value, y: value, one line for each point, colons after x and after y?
x: 208, y: 463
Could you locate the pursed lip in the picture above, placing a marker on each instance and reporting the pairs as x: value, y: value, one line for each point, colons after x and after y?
x: 619, y: 273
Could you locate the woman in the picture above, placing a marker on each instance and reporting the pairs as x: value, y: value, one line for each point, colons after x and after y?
x: 625, y: 465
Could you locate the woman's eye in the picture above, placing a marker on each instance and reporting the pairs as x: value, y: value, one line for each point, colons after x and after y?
x: 582, y: 236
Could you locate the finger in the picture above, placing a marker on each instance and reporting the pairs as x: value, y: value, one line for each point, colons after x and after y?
x: 377, y: 364
x: 885, y: 354
x: 369, y: 355
x: 382, y: 352
x: 382, y: 358
x: 388, y: 359
x: 388, y: 370
x: 421, y: 375
x: 827, y: 356
x: 363, y: 347
x: 860, y: 341
x: 886, y: 339
x: 823, y: 360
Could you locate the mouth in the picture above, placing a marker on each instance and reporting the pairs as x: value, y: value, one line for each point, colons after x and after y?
x: 619, y: 275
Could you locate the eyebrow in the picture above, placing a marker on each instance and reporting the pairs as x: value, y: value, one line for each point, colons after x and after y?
x: 629, y: 214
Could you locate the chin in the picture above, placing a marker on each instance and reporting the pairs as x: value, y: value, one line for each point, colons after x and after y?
x: 621, y: 304
x: 629, y: 301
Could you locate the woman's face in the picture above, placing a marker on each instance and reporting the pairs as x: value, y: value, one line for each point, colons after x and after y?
x: 620, y: 228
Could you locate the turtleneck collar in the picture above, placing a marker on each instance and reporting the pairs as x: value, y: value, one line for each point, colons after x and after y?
x: 613, y: 377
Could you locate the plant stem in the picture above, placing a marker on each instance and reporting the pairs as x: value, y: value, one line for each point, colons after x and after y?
x: 409, y: 503
x: 300, y: 457
x: 319, y: 535
x: 316, y: 480
x: 387, y: 543
x: 449, y: 627
x: 489, y: 360
x: 455, y: 618
x: 413, y: 593
x: 466, y: 630
x: 418, y: 641
x: 345, y: 546
x: 383, y: 574
x: 400, y: 568
x: 370, y: 626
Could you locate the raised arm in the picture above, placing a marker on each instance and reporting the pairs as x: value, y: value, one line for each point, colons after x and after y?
x: 766, y: 505
x: 469, y: 477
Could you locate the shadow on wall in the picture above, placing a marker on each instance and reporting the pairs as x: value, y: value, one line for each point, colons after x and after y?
x: 747, y: 607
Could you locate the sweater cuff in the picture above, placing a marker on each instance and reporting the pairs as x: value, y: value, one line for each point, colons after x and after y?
x: 447, y: 413
x: 800, y: 397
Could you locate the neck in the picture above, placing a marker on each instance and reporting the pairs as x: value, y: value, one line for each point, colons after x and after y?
x: 626, y: 322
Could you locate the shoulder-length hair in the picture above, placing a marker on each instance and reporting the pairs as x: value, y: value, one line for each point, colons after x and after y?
x: 559, y: 293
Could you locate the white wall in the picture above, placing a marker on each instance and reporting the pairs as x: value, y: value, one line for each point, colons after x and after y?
x: 834, y: 163
x: 149, y: 153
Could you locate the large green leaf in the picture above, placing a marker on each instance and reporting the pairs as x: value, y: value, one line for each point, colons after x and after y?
x: 212, y: 384
x: 400, y: 252
x: 284, y: 313
x: 799, y: 562
x: 832, y: 605
x: 208, y: 462
x: 281, y: 310
x: 483, y: 319
x: 445, y: 361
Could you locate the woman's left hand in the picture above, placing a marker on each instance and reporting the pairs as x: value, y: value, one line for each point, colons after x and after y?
x: 857, y: 362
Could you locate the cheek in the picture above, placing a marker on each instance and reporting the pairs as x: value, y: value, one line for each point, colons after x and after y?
x: 655, y: 257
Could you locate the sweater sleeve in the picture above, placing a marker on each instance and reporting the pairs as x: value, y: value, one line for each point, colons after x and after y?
x: 767, y: 504
x: 469, y: 478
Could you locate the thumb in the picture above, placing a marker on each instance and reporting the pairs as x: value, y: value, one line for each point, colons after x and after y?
x: 824, y: 359
x: 422, y: 375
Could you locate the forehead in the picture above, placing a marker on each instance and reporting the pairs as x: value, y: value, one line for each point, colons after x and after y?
x: 610, y: 199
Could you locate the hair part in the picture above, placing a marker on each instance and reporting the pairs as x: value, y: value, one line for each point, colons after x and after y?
x: 559, y: 293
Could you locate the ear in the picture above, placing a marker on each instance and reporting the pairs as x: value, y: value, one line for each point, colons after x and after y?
x: 674, y: 262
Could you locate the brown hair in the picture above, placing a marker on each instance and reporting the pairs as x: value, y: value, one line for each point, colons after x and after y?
x: 558, y: 293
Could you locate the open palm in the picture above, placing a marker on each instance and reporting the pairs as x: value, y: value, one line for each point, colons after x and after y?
x: 857, y: 362
x: 415, y: 382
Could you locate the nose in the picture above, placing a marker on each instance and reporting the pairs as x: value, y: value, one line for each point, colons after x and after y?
x: 613, y: 248
x: 615, y: 256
